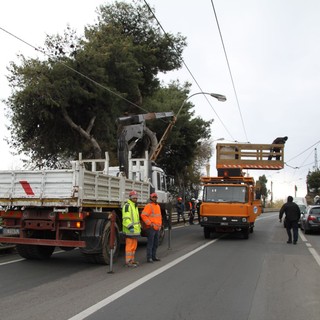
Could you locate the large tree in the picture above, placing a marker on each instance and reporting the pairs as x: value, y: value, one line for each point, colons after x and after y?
x: 69, y: 101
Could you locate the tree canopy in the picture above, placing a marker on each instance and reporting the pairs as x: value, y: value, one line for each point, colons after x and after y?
x: 69, y: 101
x: 313, y: 181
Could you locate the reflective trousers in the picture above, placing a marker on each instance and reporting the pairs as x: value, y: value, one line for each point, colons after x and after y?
x: 131, y: 247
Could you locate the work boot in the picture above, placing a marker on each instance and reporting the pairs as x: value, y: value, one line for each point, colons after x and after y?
x: 149, y: 260
x: 156, y: 259
x: 132, y: 264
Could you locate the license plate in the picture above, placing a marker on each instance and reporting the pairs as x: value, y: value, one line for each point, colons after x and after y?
x: 224, y: 223
x: 11, y: 232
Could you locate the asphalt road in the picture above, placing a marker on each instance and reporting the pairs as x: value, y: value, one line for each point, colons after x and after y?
x: 225, y: 278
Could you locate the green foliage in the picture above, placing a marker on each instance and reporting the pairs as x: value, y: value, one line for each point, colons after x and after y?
x: 263, y: 186
x: 69, y: 102
x: 313, y: 181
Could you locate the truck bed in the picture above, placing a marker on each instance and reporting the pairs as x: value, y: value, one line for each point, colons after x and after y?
x: 76, y: 187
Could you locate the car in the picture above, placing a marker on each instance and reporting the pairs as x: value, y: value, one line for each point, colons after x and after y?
x: 303, y: 210
x: 310, y: 221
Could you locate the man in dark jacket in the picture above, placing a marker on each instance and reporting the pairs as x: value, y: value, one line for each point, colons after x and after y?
x: 292, y: 212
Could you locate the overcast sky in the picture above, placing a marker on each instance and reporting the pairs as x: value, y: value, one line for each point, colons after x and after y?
x: 273, y: 50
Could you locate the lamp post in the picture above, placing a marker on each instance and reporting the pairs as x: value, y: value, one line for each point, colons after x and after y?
x: 218, y: 96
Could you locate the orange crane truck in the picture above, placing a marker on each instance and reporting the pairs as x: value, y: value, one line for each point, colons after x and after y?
x: 231, y: 201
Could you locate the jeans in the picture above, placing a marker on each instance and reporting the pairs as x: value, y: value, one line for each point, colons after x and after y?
x: 153, y: 242
x: 294, y: 226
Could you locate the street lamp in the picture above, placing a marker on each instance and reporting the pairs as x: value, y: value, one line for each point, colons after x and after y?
x: 218, y: 96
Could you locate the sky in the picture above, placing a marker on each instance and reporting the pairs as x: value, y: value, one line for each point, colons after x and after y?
x: 263, y: 55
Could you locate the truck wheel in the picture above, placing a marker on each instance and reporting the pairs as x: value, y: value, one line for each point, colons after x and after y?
x: 206, y: 232
x: 103, y: 257
x: 246, y: 232
x: 34, y: 252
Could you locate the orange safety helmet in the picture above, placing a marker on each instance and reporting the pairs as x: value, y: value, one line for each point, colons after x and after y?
x: 153, y: 195
x: 133, y: 194
x: 179, y: 198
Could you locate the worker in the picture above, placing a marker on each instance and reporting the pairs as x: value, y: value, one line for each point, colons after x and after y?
x: 180, y: 210
x: 199, y: 202
x: 279, y: 140
x: 192, y: 210
x: 131, y: 228
x: 292, y: 212
x: 151, y: 217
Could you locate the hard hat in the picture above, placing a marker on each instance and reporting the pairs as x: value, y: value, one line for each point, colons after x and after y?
x: 153, y: 195
x: 193, y: 199
x: 133, y: 194
x: 179, y: 198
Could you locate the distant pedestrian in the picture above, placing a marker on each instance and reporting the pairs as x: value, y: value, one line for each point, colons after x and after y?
x: 292, y: 212
x: 131, y: 228
x: 151, y: 216
x: 199, y: 202
x: 192, y: 210
x: 279, y: 140
x: 180, y: 210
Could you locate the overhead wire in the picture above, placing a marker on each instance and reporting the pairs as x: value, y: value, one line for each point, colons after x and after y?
x: 74, y: 70
x: 229, y: 68
x: 188, y: 69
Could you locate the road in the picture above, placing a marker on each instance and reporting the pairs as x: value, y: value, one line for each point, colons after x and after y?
x: 225, y: 278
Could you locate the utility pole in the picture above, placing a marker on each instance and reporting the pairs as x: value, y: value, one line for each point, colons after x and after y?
x: 315, y: 167
x: 271, y: 198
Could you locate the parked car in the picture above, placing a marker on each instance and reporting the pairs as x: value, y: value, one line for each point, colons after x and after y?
x: 303, y: 210
x: 311, y: 219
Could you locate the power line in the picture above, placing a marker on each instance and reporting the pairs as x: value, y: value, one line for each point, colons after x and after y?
x: 74, y: 70
x: 185, y: 65
x: 304, y: 151
x: 229, y: 68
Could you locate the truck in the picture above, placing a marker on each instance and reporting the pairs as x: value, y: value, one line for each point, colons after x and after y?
x: 231, y: 200
x: 71, y: 208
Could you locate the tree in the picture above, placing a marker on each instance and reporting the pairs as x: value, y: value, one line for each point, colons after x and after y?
x: 188, y: 145
x: 263, y: 191
x: 313, y: 181
x: 69, y: 103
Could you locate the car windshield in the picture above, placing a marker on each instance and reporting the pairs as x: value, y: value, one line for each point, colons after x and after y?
x: 224, y: 194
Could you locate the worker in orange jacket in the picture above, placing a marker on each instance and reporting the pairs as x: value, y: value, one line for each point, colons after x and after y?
x: 152, y: 219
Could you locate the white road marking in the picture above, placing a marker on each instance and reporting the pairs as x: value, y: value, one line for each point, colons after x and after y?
x: 87, y: 312
x: 17, y: 260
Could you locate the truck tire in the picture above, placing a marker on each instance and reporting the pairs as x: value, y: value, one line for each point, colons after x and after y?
x: 103, y: 255
x: 206, y: 232
x: 246, y: 232
x: 35, y: 252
